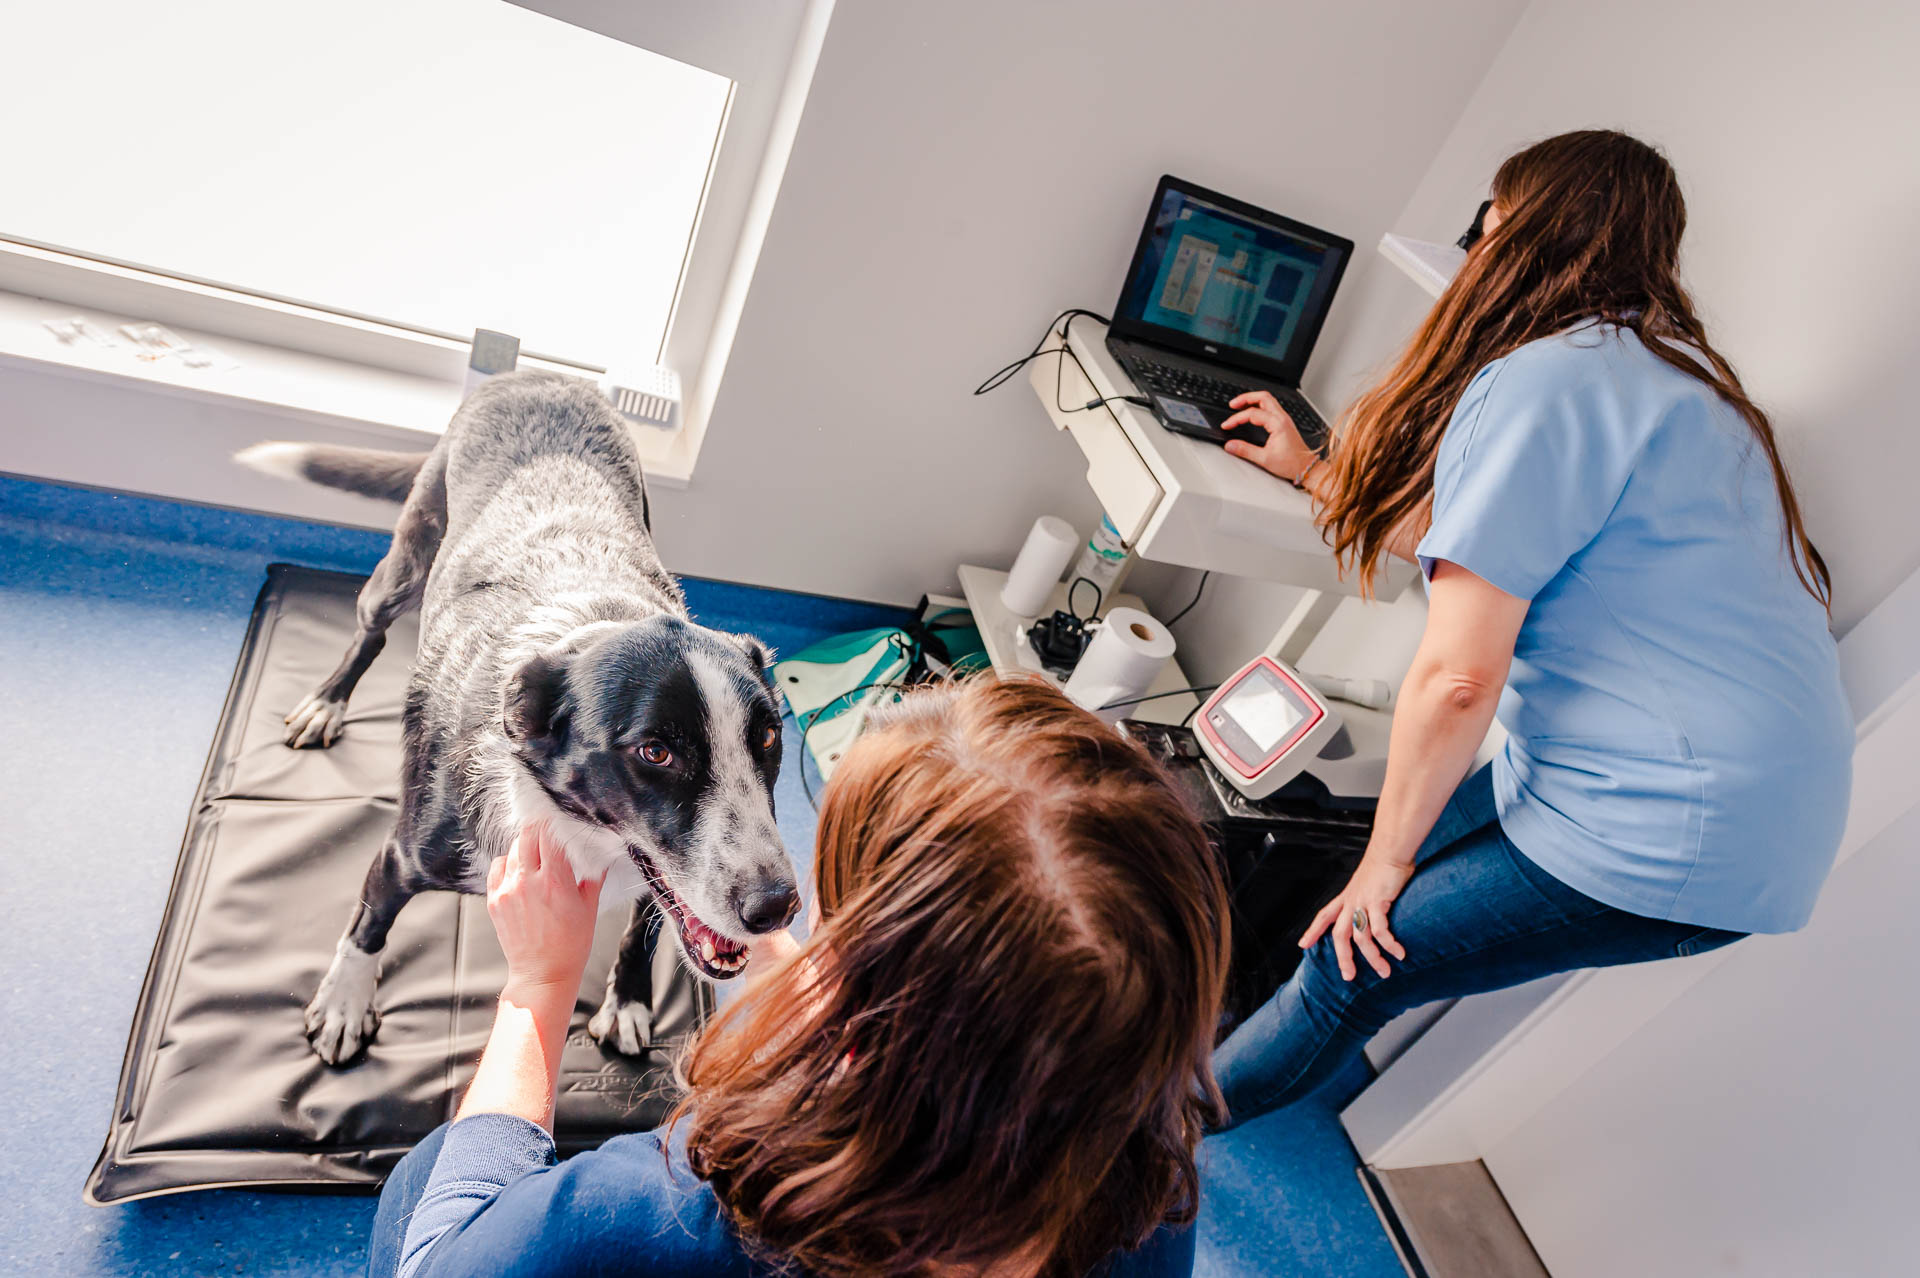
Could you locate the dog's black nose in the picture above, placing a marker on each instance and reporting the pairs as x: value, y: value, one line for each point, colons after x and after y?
x: 769, y: 906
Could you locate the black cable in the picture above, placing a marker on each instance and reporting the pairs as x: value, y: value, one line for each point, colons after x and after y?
x: 1098, y: 595
x: 1064, y: 321
x: 813, y: 717
x: 1059, y: 372
x: 1196, y: 690
x: 1004, y: 375
x: 1196, y: 597
x: 1138, y: 401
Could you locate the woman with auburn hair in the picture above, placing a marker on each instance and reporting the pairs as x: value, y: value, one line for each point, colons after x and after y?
x: 990, y: 1058
x: 1616, y: 561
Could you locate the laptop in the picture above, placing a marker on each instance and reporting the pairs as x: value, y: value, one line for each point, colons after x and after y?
x: 1223, y: 297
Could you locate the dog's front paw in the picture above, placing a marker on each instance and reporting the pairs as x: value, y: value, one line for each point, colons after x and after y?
x: 340, y: 1019
x: 622, y: 1026
x: 315, y: 722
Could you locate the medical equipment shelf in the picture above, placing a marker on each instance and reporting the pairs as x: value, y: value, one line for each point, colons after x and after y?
x: 1178, y: 500
x: 997, y: 626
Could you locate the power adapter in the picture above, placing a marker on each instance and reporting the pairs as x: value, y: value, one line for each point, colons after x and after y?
x: 1059, y: 640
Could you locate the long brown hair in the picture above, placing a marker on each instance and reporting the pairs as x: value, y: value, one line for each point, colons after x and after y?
x: 996, y: 1044
x: 1591, y: 231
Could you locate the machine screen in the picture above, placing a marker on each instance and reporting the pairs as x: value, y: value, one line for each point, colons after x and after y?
x: 1264, y: 713
x: 1263, y: 726
x: 1259, y: 716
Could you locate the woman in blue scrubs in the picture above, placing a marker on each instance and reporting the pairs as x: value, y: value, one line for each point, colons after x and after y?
x: 1615, y: 563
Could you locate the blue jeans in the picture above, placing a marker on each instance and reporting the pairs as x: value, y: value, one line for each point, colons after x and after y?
x: 1475, y: 916
x: 399, y: 1194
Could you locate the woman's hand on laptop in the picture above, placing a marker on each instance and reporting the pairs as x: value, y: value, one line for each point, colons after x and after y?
x: 1285, y: 454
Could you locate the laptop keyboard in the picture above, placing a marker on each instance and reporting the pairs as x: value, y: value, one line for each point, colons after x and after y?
x: 1185, y: 383
x: 1182, y: 383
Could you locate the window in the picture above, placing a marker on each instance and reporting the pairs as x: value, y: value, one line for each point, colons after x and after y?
x: 442, y: 165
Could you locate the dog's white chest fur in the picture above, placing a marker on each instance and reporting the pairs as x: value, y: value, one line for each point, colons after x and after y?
x: 591, y: 851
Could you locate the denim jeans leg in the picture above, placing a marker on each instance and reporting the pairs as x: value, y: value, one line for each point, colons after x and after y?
x: 1477, y: 916
x: 399, y: 1194
x: 1469, y: 809
x: 1289, y: 1017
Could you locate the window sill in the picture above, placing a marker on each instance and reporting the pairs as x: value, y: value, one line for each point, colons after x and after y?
x: 392, y: 409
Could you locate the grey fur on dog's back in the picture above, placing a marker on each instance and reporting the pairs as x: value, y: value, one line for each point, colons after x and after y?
x: 547, y: 529
x: 539, y: 435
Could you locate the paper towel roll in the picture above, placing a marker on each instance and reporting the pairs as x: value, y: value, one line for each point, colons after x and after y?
x: 1124, y: 658
x: 1037, y: 571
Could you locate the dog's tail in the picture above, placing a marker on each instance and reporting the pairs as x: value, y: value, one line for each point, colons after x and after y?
x: 367, y: 471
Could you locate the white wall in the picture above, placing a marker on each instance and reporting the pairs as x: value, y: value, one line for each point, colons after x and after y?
x: 135, y: 437
x: 961, y: 173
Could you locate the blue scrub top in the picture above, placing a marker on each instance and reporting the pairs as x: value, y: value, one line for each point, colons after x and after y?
x: 1680, y: 744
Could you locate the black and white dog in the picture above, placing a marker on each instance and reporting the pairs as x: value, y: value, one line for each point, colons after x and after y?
x: 559, y: 678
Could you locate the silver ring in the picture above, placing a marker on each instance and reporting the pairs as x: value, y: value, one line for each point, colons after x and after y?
x: 1359, y: 921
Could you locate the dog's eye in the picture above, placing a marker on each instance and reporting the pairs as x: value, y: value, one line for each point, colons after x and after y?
x: 769, y: 738
x: 653, y: 754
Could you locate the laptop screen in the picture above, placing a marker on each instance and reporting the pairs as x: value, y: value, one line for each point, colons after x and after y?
x: 1237, y: 282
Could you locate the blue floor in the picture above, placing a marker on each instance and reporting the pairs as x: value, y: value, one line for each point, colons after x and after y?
x: 120, y: 620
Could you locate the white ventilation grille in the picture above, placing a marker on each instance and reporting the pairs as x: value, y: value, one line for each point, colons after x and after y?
x: 650, y: 395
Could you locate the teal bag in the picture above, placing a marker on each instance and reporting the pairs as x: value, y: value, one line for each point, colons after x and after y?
x: 832, y: 686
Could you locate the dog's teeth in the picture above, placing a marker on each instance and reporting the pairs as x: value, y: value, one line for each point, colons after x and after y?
x: 706, y: 950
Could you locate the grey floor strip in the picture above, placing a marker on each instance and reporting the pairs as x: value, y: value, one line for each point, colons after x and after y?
x: 1451, y: 1221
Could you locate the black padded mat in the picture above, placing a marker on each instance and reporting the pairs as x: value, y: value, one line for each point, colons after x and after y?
x: 219, y: 1087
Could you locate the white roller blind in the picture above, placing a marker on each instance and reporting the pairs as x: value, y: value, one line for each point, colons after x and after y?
x: 443, y: 164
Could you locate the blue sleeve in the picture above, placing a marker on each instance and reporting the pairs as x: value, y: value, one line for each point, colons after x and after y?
x: 481, y: 1156
x: 497, y: 1206
x: 1533, y: 462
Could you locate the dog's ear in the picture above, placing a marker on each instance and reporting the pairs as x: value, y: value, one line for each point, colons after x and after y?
x: 758, y: 653
x: 532, y: 706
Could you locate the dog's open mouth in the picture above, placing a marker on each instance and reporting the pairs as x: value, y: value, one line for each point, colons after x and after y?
x: 713, y: 954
